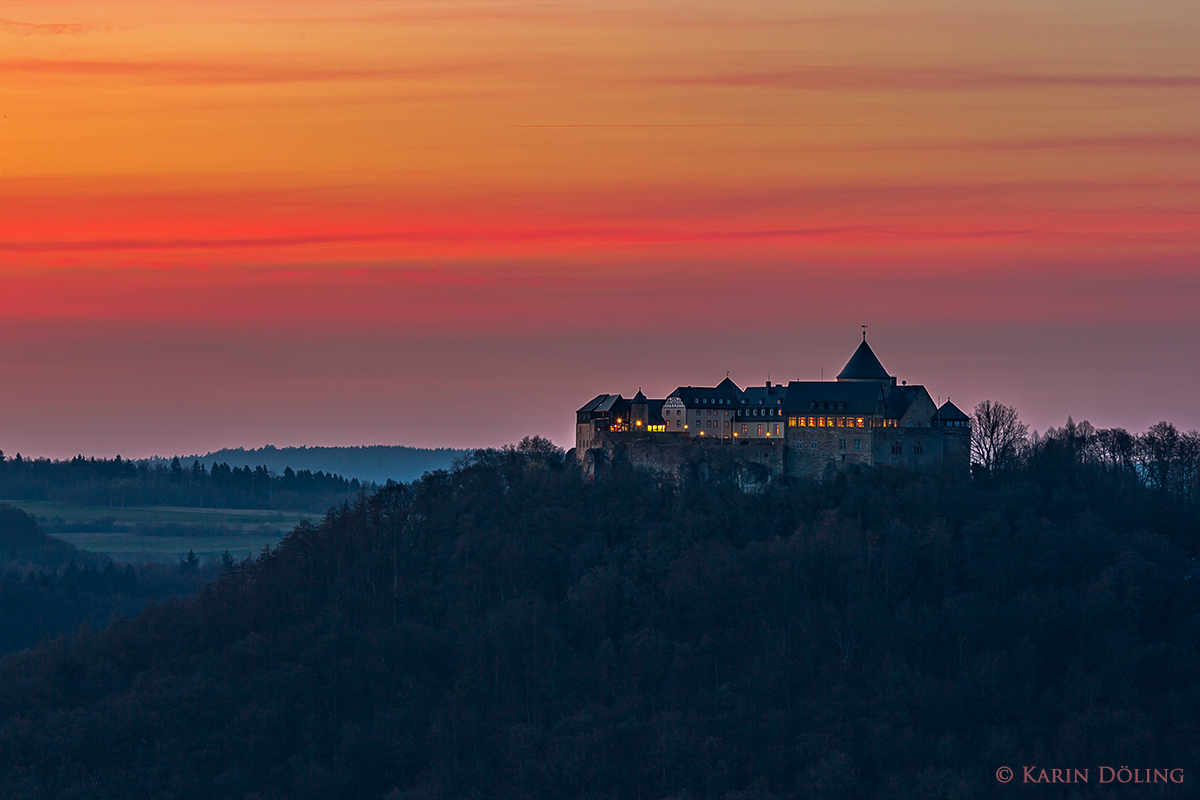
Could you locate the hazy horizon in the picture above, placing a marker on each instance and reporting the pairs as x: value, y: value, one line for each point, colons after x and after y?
x: 451, y: 224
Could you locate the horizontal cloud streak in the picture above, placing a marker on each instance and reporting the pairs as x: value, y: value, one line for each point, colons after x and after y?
x: 1125, y: 144
x: 815, y: 78
x: 890, y: 78
x: 453, y: 235
x: 52, y: 28
x: 216, y: 72
x: 606, y: 235
x: 1154, y: 143
x: 1135, y: 143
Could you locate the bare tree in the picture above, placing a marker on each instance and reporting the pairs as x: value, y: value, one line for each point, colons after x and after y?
x: 1158, y: 452
x: 1079, y: 440
x: 1189, y: 465
x: 997, y: 435
x: 1116, y: 449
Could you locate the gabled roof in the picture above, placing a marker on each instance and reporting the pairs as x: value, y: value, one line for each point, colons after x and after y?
x: 602, y: 402
x: 764, y: 395
x: 897, y: 399
x: 863, y: 366
x: 639, y: 397
x: 950, y: 413
x: 757, y: 398
x: 692, y: 396
x: 860, y: 398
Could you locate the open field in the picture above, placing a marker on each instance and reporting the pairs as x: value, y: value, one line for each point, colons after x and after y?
x: 130, y: 548
x: 162, y: 515
x: 163, y: 533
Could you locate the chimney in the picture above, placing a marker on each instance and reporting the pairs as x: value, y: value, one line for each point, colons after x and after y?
x: 768, y: 384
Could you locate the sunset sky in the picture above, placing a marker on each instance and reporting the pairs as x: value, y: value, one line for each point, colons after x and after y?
x: 452, y: 223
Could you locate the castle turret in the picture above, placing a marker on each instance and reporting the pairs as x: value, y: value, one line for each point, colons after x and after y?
x: 639, y: 412
x: 865, y: 366
x: 950, y: 416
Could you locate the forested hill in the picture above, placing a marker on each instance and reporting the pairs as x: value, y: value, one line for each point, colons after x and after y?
x: 121, y: 482
x: 22, y: 541
x: 48, y: 588
x: 508, y: 630
x: 377, y: 463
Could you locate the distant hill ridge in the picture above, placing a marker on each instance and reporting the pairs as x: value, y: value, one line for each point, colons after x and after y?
x: 366, y: 462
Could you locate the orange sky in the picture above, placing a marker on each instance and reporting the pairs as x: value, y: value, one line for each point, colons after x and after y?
x: 230, y: 223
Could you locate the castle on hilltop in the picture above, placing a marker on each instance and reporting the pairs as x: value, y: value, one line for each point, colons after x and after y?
x: 803, y: 429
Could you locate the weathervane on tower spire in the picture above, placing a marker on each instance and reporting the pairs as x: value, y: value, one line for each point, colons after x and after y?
x: 864, y: 327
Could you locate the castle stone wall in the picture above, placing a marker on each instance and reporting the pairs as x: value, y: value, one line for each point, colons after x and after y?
x: 756, y: 462
x: 751, y: 464
x: 835, y: 449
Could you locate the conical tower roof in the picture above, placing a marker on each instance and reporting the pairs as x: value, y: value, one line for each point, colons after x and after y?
x: 729, y: 386
x: 949, y: 412
x: 863, y: 366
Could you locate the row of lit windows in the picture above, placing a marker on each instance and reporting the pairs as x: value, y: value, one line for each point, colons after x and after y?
x: 763, y: 430
x: 840, y: 422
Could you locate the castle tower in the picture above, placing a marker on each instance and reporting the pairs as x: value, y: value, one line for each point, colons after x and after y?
x: 639, y: 412
x: 865, y: 366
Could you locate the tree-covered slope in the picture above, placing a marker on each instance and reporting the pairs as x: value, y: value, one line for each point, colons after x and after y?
x: 508, y: 630
x: 48, y: 588
x: 369, y: 463
x: 22, y: 541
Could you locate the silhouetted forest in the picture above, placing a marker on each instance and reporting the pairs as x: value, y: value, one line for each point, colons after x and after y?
x: 48, y: 588
x: 508, y: 630
x: 370, y: 463
x: 120, y: 482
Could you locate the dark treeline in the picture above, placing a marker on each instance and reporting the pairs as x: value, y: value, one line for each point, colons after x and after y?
x: 1163, y: 457
x: 49, y: 588
x: 508, y: 630
x: 121, y: 482
x: 378, y: 463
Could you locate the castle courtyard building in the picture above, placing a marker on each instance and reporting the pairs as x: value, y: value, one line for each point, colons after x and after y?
x: 804, y: 429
